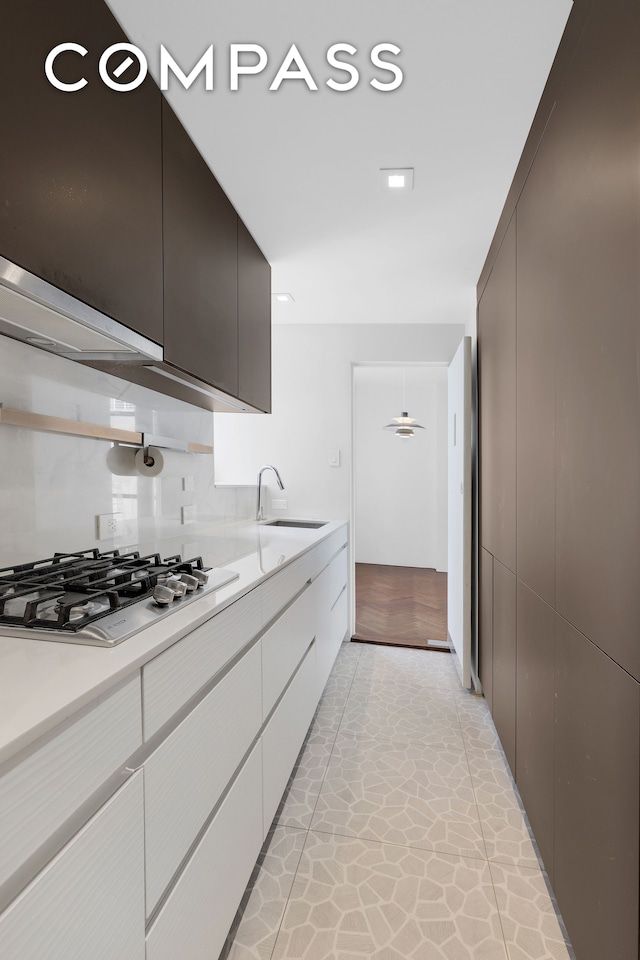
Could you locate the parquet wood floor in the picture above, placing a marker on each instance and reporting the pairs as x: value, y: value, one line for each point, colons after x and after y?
x: 404, y: 606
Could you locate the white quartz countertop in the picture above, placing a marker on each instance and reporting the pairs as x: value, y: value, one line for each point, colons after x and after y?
x: 42, y: 683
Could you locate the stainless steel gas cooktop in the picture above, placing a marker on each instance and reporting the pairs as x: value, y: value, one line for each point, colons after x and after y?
x: 98, y: 598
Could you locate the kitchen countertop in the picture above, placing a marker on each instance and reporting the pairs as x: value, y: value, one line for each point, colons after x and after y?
x: 42, y: 683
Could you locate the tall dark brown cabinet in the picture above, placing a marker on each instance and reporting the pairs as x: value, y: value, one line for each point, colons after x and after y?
x: 559, y: 428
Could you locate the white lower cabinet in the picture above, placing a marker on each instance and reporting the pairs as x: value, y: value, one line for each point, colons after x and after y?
x: 89, y: 901
x: 73, y: 762
x: 194, y: 921
x: 284, y: 734
x: 284, y: 645
x: 331, y: 615
x: 175, y: 846
x: 186, y: 775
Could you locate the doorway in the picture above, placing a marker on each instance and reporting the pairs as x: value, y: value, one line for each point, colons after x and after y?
x: 400, y: 505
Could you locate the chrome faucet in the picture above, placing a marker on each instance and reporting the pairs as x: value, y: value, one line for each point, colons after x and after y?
x: 259, y: 509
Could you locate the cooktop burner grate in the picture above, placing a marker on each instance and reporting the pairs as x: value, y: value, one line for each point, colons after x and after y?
x: 71, y: 590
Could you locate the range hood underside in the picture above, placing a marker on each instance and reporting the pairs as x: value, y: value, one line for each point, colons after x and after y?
x: 35, y: 312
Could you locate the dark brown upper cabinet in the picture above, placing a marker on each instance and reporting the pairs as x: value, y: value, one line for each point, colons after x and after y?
x: 200, y: 264
x: 497, y: 405
x: 80, y: 173
x: 254, y: 322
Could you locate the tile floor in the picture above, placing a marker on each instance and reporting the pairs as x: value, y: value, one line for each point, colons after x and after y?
x: 401, y: 833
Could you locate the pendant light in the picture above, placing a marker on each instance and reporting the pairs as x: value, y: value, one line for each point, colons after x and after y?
x: 404, y: 425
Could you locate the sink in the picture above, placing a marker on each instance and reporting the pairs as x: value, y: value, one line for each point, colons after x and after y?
x: 310, y: 524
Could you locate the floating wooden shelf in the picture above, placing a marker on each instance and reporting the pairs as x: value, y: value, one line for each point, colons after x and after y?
x: 94, y: 431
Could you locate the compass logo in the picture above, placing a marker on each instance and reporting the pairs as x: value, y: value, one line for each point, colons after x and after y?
x: 244, y: 60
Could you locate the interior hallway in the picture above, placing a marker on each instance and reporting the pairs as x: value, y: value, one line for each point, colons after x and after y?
x: 401, y: 834
x: 400, y: 605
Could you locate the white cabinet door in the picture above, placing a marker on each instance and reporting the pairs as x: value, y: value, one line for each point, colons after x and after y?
x: 185, y: 777
x: 331, y: 615
x: 195, y: 919
x: 88, y: 903
x: 40, y: 790
x: 284, y: 734
x: 284, y: 645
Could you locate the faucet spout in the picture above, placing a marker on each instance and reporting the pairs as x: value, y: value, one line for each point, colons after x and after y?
x: 259, y: 507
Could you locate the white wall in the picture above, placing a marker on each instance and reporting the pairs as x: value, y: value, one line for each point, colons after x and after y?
x: 54, y: 486
x: 400, y: 485
x: 312, y: 409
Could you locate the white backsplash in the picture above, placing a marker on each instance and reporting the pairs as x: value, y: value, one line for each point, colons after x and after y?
x: 54, y: 486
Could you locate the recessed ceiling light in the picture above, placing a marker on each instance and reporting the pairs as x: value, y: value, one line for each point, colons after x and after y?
x: 283, y: 297
x: 397, y: 179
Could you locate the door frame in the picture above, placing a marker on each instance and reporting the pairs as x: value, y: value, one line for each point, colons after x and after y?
x: 352, y: 493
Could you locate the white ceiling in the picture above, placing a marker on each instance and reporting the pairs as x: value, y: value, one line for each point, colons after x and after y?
x: 302, y: 167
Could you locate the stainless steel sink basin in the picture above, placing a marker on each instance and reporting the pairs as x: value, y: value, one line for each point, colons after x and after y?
x: 311, y: 524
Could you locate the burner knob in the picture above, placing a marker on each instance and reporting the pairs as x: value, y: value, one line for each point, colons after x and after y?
x: 179, y: 587
x: 191, y: 582
x: 163, y: 595
x: 201, y: 577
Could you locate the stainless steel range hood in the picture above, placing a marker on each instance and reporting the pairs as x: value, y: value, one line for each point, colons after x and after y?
x: 37, y: 313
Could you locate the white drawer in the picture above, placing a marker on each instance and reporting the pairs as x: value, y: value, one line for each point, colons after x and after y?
x: 89, y: 901
x: 284, y: 734
x: 170, y: 680
x: 332, y: 579
x: 194, y: 922
x: 282, y: 587
x: 332, y: 628
x: 284, y: 645
x: 326, y: 550
x: 39, y: 791
x: 186, y: 775
x: 279, y: 589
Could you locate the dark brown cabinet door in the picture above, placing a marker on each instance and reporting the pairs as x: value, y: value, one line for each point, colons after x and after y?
x: 200, y: 264
x: 538, y: 306
x: 497, y: 405
x: 535, y: 705
x: 503, y: 707
x: 485, y: 626
x: 595, y: 245
x: 254, y: 322
x: 597, y: 799
x: 80, y: 173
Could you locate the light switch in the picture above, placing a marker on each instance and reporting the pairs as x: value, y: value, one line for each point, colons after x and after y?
x: 334, y: 458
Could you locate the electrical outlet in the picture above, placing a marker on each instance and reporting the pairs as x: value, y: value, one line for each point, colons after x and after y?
x: 109, y: 525
x: 187, y: 484
x: 278, y: 504
x: 188, y: 512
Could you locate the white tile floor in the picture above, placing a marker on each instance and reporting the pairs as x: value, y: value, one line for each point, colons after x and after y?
x: 401, y: 834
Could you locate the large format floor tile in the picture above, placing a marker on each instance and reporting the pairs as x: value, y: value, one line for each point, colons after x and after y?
x: 403, y: 829
x: 256, y: 927
x: 400, y: 793
x: 304, y: 787
x: 357, y: 898
x: 529, y: 920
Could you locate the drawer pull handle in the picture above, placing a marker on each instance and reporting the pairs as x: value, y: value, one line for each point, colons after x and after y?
x: 338, y: 597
